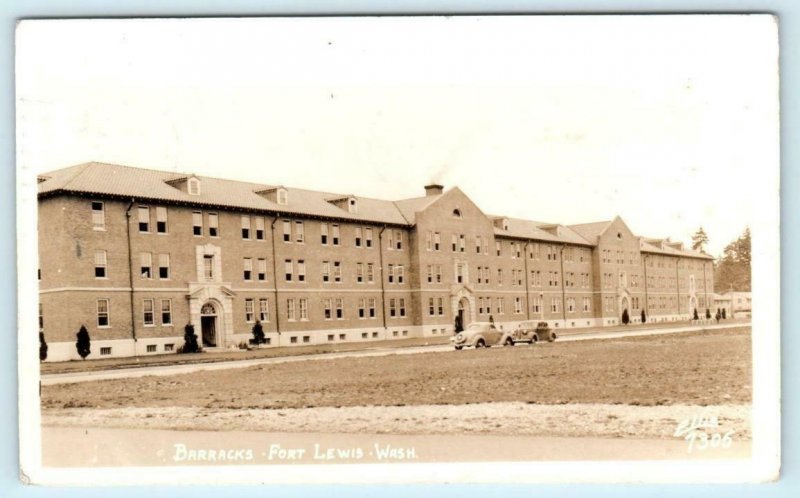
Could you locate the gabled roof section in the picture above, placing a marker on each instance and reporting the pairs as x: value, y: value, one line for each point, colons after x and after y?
x: 410, y: 207
x: 667, y: 248
x: 547, y: 232
x: 591, y: 231
x: 146, y: 184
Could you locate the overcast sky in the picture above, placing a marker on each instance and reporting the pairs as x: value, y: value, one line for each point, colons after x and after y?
x: 668, y: 121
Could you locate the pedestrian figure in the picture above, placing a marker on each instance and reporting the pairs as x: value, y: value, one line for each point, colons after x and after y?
x: 718, y: 316
x: 491, y: 321
x: 458, y: 326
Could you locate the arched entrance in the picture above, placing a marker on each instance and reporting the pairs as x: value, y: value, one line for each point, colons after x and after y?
x: 623, y: 306
x: 208, y: 324
x: 463, y: 312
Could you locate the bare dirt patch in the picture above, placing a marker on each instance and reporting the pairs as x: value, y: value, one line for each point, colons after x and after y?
x: 579, y: 420
x: 710, y: 368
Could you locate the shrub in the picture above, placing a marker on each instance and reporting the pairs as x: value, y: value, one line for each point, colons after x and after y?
x: 708, y: 314
x: 190, y: 340
x: 258, y: 333
x: 42, y: 347
x: 696, y: 316
x: 644, y: 316
x: 84, y: 344
x: 625, y: 317
x: 723, y: 314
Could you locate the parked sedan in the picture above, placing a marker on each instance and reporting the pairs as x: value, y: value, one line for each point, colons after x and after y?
x: 525, y: 332
x: 479, y: 335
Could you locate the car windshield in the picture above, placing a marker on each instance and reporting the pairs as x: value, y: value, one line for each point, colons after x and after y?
x: 475, y: 326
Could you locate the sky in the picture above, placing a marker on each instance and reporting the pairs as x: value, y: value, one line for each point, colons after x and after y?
x: 670, y: 122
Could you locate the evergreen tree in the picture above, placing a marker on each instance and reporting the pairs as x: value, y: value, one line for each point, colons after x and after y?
x: 258, y: 333
x: 724, y: 314
x: 644, y: 316
x: 733, y: 269
x: 708, y: 314
x: 625, y: 318
x: 699, y: 240
x: 696, y: 316
x: 42, y: 347
x: 84, y: 344
x: 190, y: 340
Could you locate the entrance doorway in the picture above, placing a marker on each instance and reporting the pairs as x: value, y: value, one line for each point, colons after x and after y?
x: 463, y: 315
x: 624, y: 307
x: 208, y: 324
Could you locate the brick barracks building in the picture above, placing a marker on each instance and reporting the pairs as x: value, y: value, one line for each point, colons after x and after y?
x: 136, y: 254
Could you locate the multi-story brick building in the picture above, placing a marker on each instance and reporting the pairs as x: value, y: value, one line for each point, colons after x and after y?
x: 135, y: 254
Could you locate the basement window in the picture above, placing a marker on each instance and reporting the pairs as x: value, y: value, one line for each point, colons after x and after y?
x: 105, y: 351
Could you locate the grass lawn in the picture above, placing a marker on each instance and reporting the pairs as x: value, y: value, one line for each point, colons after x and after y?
x: 692, y: 368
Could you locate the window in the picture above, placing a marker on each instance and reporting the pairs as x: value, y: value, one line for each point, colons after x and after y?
x: 103, y: 313
x: 98, y: 216
x: 197, y: 223
x: 402, y: 306
x: 362, y: 308
x: 161, y: 219
x: 392, y: 307
x: 478, y: 244
x: 437, y: 240
x: 570, y: 304
x: 440, y: 306
x: 587, y: 304
x: 328, y: 309
x: 166, y: 312
x: 163, y: 266
x: 400, y: 269
x: 430, y: 274
x: 536, y: 307
x: 323, y: 231
x: 454, y: 240
x: 151, y: 348
x: 303, y: 308
x: 398, y: 240
x: 457, y: 213
x: 390, y: 273
x: 462, y: 242
x: 194, y: 186
x: 431, y: 307
x: 337, y: 271
x: 339, y: 308
x: 368, y: 237
x: 144, y: 219
x: 371, y: 303
x: 105, y: 351
x: 146, y: 265
x: 306, y: 338
x: 169, y: 347
x: 248, y: 268
x: 287, y: 231
x: 299, y: 232
x: 460, y: 273
x: 263, y: 309
x: 301, y: 270
x: 147, y: 310
x: 246, y: 227
x: 262, y: 269
x: 259, y: 228
x: 290, y: 311
x: 555, y: 304
x: 498, y: 247
x: 287, y: 269
x: 335, y: 237
x: 100, y: 264
x: 429, y: 240
x: 501, y: 306
x: 370, y: 272
x: 208, y: 267
x: 517, y: 305
x: 213, y: 225
x: 41, y: 318
x: 358, y: 236
x: 326, y: 271
x: 360, y: 272
x: 283, y: 196
x: 499, y: 276
x: 293, y: 339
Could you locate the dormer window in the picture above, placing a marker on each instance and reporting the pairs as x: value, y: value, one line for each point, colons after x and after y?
x: 352, y: 205
x: 194, y: 186
x: 457, y: 213
x: 283, y: 196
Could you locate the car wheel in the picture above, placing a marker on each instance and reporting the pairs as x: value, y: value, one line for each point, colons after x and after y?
x: 552, y: 337
x: 459, y: 348
x: 534, y: 339
x: 480, y: 344
x: 509, y: 342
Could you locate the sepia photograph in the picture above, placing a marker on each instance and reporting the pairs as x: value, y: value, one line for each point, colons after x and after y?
x: 399, y: 249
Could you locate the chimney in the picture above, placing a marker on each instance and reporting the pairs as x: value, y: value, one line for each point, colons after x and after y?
x: 433, y: 189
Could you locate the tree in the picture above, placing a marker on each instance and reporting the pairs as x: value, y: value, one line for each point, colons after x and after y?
x: 625, y: 318
x: 696, y: 316
x: 84, y: 344
x: 190, y: 340
x: 42, y: 347
x: 699, y: 240
x: 724, y: 314
x: 733, y: 268
x: 258, y: 333
x: 644, y: 316
x: 708, y: 314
